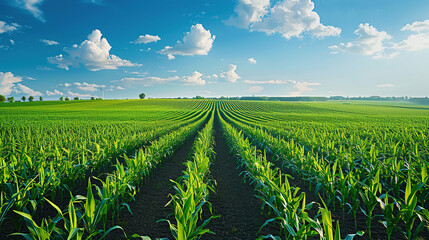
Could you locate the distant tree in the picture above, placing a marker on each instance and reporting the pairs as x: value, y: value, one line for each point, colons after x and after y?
x: 61, y: 98
x: 142, y: 95
x: 92, y: 98
x: 31, y: 98
x: 10, y: 99
x: 67, y: 99
x: 40, y: 98
x: 76, y: 98
x: 23, y: 98
x: 199, y: 97
x: 2, y: 98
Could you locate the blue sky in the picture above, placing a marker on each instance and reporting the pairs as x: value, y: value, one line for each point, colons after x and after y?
x: 169, y: 48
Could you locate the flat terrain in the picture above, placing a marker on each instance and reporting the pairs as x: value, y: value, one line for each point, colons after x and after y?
x: 345, y: 155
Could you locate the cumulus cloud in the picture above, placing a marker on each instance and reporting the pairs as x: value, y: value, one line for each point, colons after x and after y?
x: 91, y: 87
x: 7, y: 82
x: 49, y: 42
x: 417, y: 41
x: 146, y: 39
x: 248, y: 12
x: 252, y: 60
x: 32, y: 6
x: 194, y: 79
x: 290, y: 18
x: 11, y: 84
x: 19, y: 88
x: 385, y: 85
x: 54, y: 93
x: 230, y: 74
x: 4, y: 27
x: 256, y: 89
x: 370, y: 42
x: 198, y: 41
x: 93, y: 53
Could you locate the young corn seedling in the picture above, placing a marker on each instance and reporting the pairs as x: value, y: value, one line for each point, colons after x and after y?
x: 391, y: 220
x: 369, y: 198
x: 408, y: 211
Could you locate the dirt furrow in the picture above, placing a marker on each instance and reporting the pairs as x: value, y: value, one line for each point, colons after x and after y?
x: 234, y: 200
x: 149, y: 205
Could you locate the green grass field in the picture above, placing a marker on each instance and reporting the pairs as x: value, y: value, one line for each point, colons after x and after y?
x: 322, y: 170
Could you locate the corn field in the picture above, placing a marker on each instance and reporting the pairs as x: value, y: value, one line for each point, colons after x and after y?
x: 315, y: 170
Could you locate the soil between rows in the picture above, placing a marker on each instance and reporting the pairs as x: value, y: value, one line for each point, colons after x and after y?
x: 233, y: 200
x: 149, y: 205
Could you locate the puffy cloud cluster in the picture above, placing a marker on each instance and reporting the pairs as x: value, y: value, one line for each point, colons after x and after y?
x: 54, y: 93
x: 93, y: 53
x: 198, y: 41
x: 230, y: 74
x: 419, y: 40
x: 194, y: 79
x: 10, y: 83
x: 146, y: 39
x: 370, y: 42
x: 290, y: 18
x: 91, y: 87
x: 248, y: 12
x: 252, y: 60
x: 5, y: 27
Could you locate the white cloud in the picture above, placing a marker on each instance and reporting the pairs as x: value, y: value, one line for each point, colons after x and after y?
x: 370, y: 42
x: 417, y: 41
x: 256, y: 89
x: 385, y: 85
x: 4, y: 27
x: 230, y: 74
x: 12, y: 41
x: 49, y: 42
x: 32, y: 6
x: 172, y: 71
x: 196, y: 42
x: 79, y: 95
x: 92, y: 53
x: 252, y: 60
x: 194, y: 79
x: 54, y: 93
x: 88, y: 86
x: 112, y: 88
x: 290, y: 18
x: 146, y: 39
x: 248, y: 12
x: 7, y: 82
x: 19, y: 88
x: 10, y: 83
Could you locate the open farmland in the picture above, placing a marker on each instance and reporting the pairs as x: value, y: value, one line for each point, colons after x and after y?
x: 214, y: 169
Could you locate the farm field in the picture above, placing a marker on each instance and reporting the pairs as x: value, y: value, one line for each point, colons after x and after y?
x: 214, y: 169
